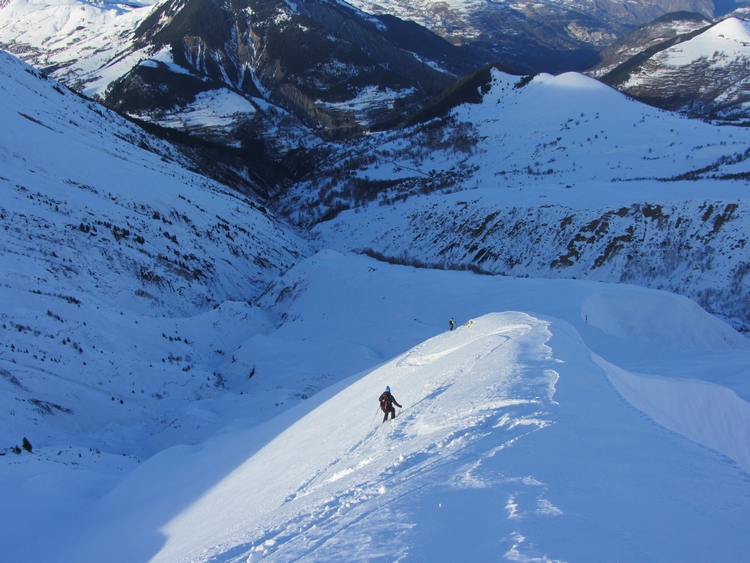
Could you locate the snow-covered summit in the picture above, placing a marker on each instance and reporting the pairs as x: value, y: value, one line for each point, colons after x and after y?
x: 84, y: 44
x: 552, y: 176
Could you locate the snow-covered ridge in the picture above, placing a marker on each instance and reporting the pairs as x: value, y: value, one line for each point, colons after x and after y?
x: 84, y: 44
x: 730, y: 37
x: 508, y: 427
x: 706, y: 75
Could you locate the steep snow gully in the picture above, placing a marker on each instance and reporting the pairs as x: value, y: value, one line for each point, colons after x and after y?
x: 513, y: 444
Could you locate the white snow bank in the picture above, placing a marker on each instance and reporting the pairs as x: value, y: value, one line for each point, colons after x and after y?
x: 706, y: 413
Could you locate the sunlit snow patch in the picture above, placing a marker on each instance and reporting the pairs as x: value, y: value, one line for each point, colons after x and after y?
x: 215, y: 109
x: 368, y: 100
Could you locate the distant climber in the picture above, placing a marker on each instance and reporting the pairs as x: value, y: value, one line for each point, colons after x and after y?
x: 386, y: 404
x: 452, y: 323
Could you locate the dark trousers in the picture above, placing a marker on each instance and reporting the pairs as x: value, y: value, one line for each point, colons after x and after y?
x: 393, y: 414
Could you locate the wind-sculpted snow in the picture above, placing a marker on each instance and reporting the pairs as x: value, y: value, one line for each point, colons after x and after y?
x: 348, y: 481
x: 511, y: 440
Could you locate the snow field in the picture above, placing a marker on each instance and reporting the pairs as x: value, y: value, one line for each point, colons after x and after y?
x: 69, y: 28
x: 535, y: 143
x: 125, y: 278
x: 216, y: 109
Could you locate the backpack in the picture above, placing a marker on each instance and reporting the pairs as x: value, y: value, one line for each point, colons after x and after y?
x: 385, y: 402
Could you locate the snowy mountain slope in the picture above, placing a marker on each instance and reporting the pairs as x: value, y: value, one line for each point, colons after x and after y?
x: 554, y: 177
x: 705, y: 75
x: 648, y: 36
x: 512, y: 439
x: 155, y: 324
x: 86, y: 45
x: 124, y: 279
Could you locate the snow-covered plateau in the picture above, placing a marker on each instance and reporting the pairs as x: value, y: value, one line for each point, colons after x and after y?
x: 197, y: 380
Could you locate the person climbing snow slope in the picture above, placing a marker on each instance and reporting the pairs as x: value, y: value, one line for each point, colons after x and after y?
x: 386, y: 404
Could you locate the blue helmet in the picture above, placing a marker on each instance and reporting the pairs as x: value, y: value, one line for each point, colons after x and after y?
x: 387, y: 389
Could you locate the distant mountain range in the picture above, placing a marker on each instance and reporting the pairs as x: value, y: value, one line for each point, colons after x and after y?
x: 273, y: 76
x: 542, y: 36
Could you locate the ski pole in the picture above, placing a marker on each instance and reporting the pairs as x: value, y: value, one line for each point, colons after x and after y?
x: 376, y: 416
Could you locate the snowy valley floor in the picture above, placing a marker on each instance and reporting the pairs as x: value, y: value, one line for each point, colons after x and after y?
x: 527, y: 434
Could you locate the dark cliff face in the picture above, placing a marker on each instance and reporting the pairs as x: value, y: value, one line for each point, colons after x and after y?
x: 312, y: 60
